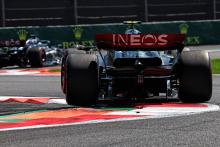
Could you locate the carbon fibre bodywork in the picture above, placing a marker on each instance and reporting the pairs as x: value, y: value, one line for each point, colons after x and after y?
x: 136, y: 73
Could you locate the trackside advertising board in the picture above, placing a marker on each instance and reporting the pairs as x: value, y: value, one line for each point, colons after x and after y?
x: 197, y: 32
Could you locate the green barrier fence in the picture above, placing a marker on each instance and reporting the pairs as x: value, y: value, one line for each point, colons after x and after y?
x: 198, y: 32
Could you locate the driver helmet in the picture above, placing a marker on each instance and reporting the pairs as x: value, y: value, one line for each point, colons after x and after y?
x: 132, y: 31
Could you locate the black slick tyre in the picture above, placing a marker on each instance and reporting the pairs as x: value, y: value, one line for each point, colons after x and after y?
x: 82, y: 86
x: 195, y: 77
x: 63, y: 62
x: 35, y: 57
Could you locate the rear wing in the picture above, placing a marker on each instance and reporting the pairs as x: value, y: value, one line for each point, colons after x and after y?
x: 147, y: 42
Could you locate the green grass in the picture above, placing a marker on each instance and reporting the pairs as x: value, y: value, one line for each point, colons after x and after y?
x: 54, y: 70
x: 216, y: 66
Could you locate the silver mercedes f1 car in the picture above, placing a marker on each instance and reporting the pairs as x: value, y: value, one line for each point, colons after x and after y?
x: 135, y: 65
x: 33, y: 52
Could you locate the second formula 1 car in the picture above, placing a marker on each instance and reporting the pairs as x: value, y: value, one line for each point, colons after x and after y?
x: 34, y: 52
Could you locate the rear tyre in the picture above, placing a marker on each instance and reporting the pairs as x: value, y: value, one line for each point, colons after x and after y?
x: 35, y: 57
x: 71, y: 51
x: 63, y: 62
x: 195, y: 77
x: 82, y: 79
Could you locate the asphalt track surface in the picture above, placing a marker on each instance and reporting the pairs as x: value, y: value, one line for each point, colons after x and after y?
x: 193, y: 130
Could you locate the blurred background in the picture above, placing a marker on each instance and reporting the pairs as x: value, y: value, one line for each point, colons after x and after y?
x: 71, y: 12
